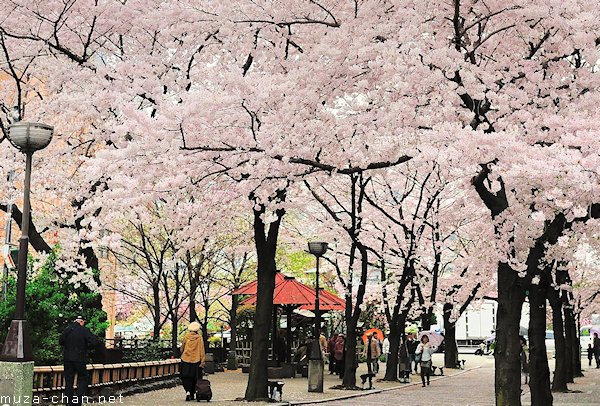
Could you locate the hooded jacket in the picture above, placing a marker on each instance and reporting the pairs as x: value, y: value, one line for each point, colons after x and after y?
x: 192, y: 348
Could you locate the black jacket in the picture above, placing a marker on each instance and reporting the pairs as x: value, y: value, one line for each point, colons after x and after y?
x: 76, y: 340
x: 412, y: 345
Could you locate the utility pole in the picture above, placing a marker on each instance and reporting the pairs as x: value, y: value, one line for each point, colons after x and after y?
x: 9, y: 206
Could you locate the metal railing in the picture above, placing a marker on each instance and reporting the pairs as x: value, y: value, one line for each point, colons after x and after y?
x: 49, y: 379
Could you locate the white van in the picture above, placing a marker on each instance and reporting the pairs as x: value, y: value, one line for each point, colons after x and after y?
x: 585, y: 337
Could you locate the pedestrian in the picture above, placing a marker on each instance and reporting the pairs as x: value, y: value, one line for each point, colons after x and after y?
x: 412, y: 344
x: 76, y: 340
x: 331, y: 352
x: 404, y: 367
x: 372, y: 353
x: 282, y: 354
x: 524, y: 357
x: 340, y: 355
x: 425, y: 349
x: 193, y: 359
x: 481, y: 349
x: 590, y: 352
x: 597, y: 349
x: 323, y: 344
x: 385, y: 348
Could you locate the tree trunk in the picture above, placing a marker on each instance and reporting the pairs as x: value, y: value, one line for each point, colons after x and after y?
x: 539, y: 382
x: 559, y: 382
x: 174, y: 334
x: 450, y: 347
x: 426, y: 320
x: 349, y: 380
x: 396, y: 330
x: 266, y: 246
x: 569, y: 344
x: 233, y: 322
x: 192, y: 275
x: 571, y: 336
x: 156, y: 305
x: 508, y: 371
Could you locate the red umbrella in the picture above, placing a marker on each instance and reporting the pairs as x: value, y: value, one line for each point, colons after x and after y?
x: 376, y: 332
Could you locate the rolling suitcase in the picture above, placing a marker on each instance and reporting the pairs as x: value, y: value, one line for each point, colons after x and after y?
x: 203, y: 391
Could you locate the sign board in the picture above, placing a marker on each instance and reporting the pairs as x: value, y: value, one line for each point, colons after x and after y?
x: 10, y: 255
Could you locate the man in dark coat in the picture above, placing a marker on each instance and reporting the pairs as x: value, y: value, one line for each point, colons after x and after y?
x: 76, y: 340
x: 596, y: 347
x: 411, y: 345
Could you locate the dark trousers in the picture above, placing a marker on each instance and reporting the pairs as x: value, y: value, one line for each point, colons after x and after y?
x: 332, y: 368
x: 189, y: 374
x: 340, y: 365
x: 72, y: 368
x: 597, y: 354
x: 425, y: 372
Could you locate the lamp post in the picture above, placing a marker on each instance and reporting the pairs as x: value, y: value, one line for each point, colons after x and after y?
x: 7, y: 237
x: 315, y: 363
x: 28, y: 138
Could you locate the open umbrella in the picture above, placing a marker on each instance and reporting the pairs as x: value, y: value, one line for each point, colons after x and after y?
x: 434, y: 338
x: 376, y: 332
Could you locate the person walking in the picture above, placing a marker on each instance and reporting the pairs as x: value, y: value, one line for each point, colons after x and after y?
x: 385, y: 348
x: 590, y: 354
x: 596, y: 347
x: 76, y: 340
x: 372, y: 353
x: 411, y: 345
x: 524, y: 357
x: 193, y: 359
x: 425, y: 350
x: 331, y: 352
x: 404, y: 366
x: 340, y: 355
x: 323, y: 344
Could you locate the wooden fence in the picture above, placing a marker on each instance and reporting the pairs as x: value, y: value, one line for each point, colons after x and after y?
x: 48, y: 379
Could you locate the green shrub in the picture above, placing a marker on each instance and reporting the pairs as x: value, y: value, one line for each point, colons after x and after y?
x: 51, y: 303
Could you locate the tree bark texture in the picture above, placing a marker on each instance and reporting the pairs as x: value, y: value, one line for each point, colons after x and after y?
x: 539, y: 381
x: 450, y: 347
x: 266, y: 246
x: 559, y: 381
x: 508, y: 370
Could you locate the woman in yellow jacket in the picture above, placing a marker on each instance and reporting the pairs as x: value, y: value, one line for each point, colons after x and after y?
x: 193, y: 358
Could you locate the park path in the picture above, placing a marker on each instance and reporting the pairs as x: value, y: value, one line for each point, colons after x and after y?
x: 471, y: 387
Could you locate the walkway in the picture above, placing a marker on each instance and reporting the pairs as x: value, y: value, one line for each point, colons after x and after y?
x: 472, y: 387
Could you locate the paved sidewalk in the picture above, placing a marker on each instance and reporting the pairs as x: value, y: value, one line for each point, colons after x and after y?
x: 231, y: 385
x: 585, y: 391
x: 471, y: 387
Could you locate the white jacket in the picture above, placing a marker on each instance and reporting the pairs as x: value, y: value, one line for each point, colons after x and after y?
x: 425, y: 351
x: 386, y: 346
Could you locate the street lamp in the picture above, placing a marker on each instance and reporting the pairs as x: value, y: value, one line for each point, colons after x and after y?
x: 315, y: 363
x: 28, y: 138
